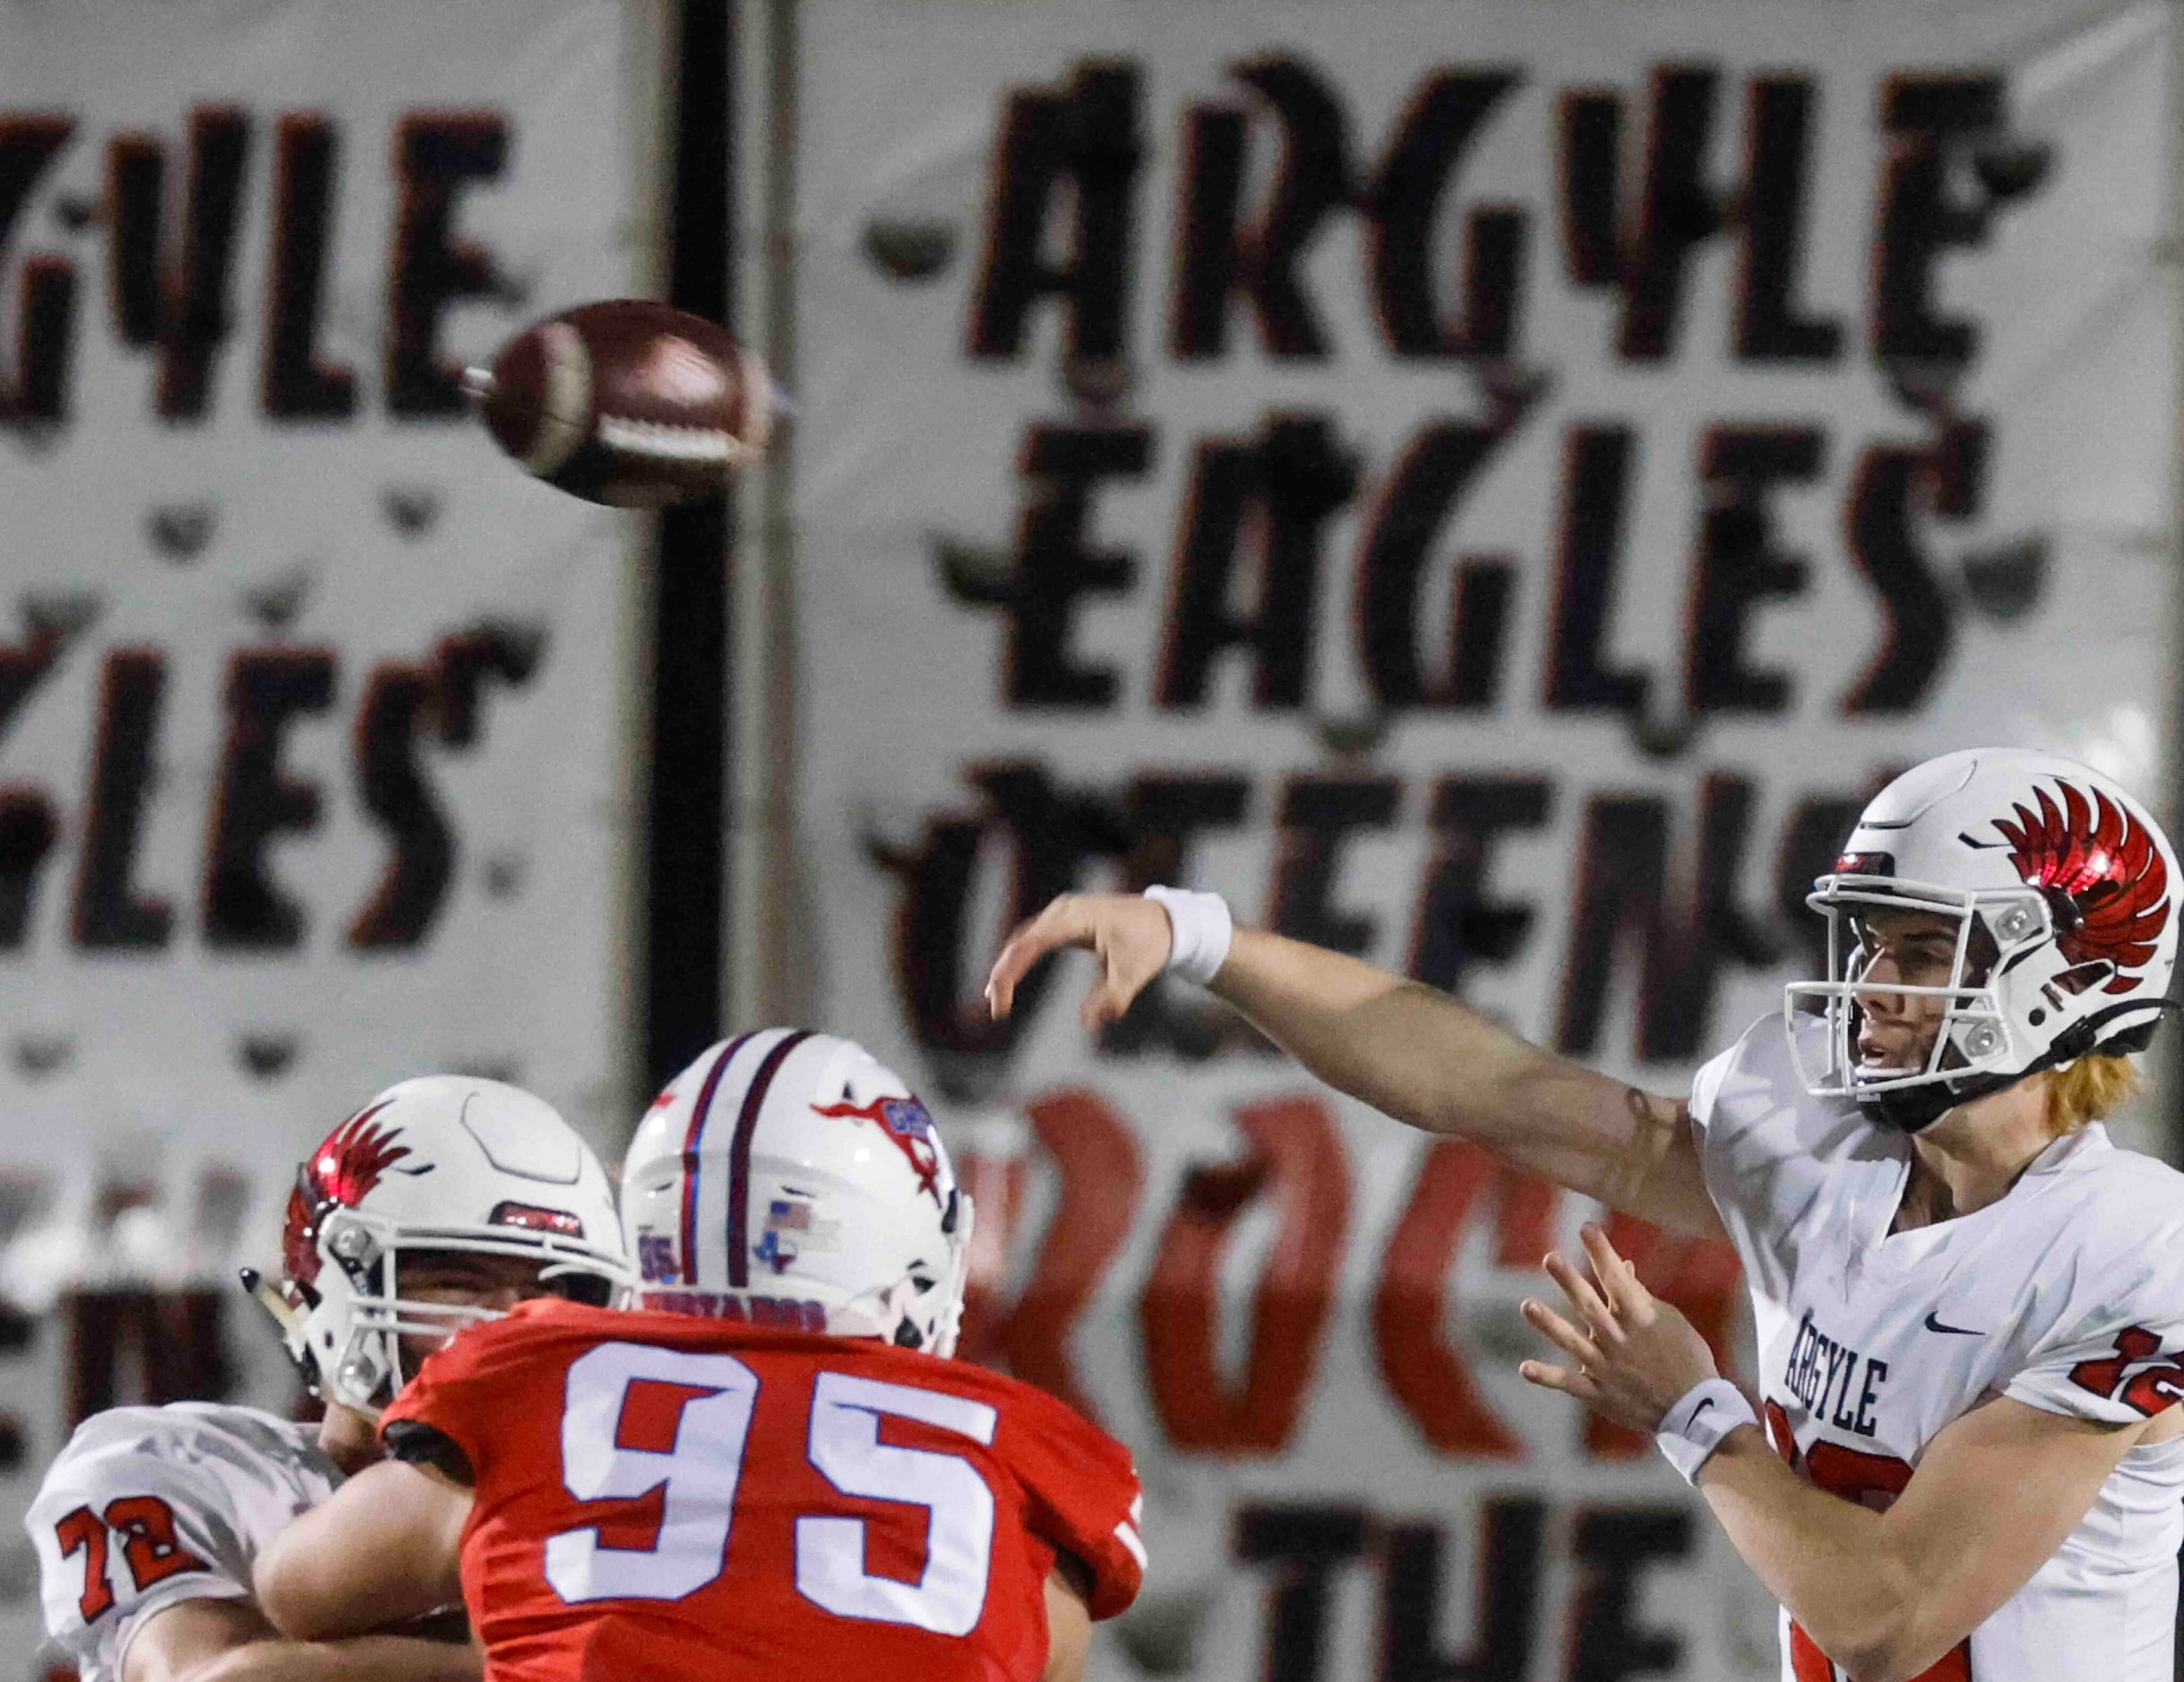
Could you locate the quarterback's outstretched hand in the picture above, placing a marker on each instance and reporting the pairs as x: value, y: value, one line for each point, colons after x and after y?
x: 1636, y: 1355
x: 1131, y: 935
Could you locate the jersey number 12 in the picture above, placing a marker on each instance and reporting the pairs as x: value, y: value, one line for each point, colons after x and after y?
x: 1871, y: 1480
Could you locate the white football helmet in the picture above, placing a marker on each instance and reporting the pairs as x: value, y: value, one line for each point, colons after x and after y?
x: 787, y: 1178
x: 443, y: 1162
x: 2058, y: 883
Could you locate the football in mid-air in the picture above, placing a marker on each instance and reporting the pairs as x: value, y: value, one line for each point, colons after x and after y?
x: 629, y: 403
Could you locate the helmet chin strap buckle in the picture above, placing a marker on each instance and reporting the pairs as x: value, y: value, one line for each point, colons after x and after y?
x: 1915, y: 1109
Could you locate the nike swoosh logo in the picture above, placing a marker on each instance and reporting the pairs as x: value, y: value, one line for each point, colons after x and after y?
x: 1932, y: 1325
x: 1704, y: 1404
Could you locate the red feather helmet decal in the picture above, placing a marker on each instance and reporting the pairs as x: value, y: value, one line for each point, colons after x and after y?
x: 2100, y: 871
x: 338, y: 1174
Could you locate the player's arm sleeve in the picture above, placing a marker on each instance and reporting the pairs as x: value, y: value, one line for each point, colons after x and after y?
x: 1705, y: 1099
x: 1085, y: 1502
x: 438, y: 1418
x: 122, y: 1530
x: 2119, y: 1361
x: 1748, y: 1127
x: 1712, y: 1141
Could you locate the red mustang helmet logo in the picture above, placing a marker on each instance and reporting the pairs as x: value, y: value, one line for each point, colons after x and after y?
x: 907, y: 1126
x: 2102, y: 871
x: 337, y: 1174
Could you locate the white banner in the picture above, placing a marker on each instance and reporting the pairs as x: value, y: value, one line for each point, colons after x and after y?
x: 1487, y: 486
x: 315, y: 711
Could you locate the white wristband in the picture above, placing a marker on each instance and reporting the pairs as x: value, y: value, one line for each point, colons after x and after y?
x: 1693, y: 1429
x: 1199, y: 929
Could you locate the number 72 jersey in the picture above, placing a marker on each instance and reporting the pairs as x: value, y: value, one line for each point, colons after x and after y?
x: 660, y: 1495
x: 147, y: 1507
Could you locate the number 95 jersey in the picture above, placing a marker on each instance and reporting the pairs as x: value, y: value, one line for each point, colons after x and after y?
x: 659, y: 1495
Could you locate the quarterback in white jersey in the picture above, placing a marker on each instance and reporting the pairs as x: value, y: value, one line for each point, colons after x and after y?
x: 2066, y: 1295
x: 443, y: 1201
x: 1966, y: 1462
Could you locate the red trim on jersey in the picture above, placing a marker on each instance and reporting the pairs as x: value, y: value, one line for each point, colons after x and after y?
x: 690, y: 1157
x: 739, y: 1160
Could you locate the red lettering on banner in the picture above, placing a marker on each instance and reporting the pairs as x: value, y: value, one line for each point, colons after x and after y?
x: 1102, y: 1184
x: 1700, y: 1276
x: 1428, y: 1377
x: 996, y: 1188
x: 1524, y: 1224
x: 1296, y: 1157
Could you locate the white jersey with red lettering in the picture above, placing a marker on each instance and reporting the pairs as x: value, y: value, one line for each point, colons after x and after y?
x: 2067, y: 1294
x: 150, y: 1506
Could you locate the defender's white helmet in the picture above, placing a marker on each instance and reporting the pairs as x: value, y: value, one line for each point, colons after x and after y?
x: 789, y: 1178
x: 443, y: 1162
x: 2060, y: 884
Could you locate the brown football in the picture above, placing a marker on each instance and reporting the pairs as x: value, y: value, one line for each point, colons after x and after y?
x: 628, y: 403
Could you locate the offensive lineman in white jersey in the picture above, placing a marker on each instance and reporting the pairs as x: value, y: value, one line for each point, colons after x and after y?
x: 1969, y: 1304
x: 446, y: 1200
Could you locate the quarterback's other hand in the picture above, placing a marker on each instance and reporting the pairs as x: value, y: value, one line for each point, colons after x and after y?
x: 1131, y: 935
x: 1636, y: 1355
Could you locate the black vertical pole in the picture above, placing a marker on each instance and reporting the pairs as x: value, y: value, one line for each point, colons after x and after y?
x: 687, y: 864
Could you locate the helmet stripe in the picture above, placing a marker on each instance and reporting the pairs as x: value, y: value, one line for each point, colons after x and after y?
x: 690, y: 1139
x: 739, y: 1160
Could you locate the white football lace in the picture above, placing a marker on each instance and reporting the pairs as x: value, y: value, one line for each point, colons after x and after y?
x: 667, y: 442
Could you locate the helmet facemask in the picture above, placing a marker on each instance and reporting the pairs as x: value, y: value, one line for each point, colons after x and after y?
x: 2002, y: 990
x: 344, y: 1328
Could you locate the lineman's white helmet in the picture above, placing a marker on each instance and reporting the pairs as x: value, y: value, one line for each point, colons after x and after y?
x: 2060, y: 886
x: 443, y: 1162
x: 789, y: 1178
